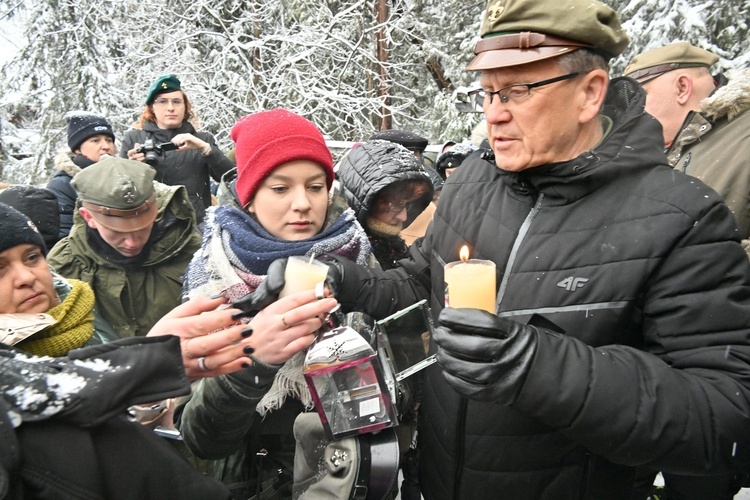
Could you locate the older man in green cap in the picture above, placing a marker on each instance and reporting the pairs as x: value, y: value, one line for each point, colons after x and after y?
x: 132, y: 239
x: 620, y: 330
x: 705, y: 120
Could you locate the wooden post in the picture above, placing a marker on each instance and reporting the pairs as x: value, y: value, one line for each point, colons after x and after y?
x: 381, y: 47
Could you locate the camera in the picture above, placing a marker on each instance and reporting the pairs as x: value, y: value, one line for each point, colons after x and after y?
x: 154, y: 151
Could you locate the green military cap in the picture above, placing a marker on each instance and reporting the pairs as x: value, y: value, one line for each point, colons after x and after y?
x: 522, y: 31
x: 119, y: 193
x: 656, y: 62
x: 165, y: 83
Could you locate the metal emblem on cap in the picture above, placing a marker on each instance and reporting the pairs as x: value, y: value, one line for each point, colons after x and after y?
x: 164, y: 85
x: 129, y: 197
x: 494, y: 12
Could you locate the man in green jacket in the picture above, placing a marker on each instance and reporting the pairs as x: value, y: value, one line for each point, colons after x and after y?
x: 132, y: 239
x: 705, y: 120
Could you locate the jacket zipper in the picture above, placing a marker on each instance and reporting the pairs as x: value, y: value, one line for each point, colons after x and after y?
x: 464, y: 403
x: 460, y: 445
x: 516, y: 245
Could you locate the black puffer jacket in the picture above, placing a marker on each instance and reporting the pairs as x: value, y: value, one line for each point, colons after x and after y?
x: 67, y: 165
x: 368, y: 169
x: 639, y: 269
x: 188, y: 168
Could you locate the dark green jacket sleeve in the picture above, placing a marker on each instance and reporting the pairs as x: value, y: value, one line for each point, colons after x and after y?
x: 221, y: 411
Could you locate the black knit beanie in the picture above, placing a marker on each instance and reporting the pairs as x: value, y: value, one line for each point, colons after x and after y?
x: 82, y: 125
x: 16, y: 229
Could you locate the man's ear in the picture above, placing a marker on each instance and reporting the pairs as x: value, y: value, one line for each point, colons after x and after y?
x: 684, y: 88
x: 87, y: 217
x: 594, y: 88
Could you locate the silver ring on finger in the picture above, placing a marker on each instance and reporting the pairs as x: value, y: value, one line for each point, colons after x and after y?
x: 202, y: 364
x: 320, y: 290
x: 284, y: 321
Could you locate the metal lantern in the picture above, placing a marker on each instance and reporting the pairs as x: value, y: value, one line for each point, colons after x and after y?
x: 347, y: 382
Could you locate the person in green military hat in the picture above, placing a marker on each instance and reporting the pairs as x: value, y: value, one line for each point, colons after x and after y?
x: 705, y: 119
x: 706, y: 129
x: 167, y: 119
x: 131, y: 240
x: 619, y: 332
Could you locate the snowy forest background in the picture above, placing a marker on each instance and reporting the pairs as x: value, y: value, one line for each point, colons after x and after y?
x: 351, y: 66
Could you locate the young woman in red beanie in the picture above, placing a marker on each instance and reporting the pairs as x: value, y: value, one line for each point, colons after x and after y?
x: 277, y: 206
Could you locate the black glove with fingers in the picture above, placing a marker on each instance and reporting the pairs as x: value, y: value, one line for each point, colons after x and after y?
x: 484, y: 357
x: 266, y: 293
x: 269, y: 289
x: 335, y: 276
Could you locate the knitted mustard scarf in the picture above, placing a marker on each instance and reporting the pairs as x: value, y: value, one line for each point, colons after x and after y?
x: 74, y: 326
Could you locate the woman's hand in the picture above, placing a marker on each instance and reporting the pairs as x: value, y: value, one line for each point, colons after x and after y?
x: 206, y: 352
x: 288, y: 326
x: 189, y: 141
x: 133, y: 154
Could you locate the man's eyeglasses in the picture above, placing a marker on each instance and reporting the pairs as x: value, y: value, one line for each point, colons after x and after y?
x: 517, y: 93
x: 163, y: 102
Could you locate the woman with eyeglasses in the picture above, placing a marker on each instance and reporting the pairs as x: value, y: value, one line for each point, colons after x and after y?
x: 166, y: 119
x: 388, y: 188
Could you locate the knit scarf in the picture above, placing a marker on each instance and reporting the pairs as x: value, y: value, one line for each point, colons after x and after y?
x: 234, y: 259
x: 74, y: 326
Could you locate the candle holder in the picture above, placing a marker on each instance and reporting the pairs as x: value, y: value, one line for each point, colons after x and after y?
x: 347, y: 383
x: 354, y: 385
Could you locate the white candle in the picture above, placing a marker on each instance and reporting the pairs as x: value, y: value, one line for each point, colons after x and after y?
x: 470, y: 283
x: 302, y: 273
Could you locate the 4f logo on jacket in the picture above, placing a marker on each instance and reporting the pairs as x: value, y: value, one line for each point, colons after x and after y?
x: 572, y: 284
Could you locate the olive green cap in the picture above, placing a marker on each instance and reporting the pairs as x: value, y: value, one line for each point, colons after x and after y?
x: 656, y: 62
x: 118, y: 192
x: 165, y: 83
x: 522, y: 31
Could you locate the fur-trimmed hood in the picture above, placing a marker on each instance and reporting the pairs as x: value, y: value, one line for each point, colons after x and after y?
x: 64, y: 162
x: 729, y: 100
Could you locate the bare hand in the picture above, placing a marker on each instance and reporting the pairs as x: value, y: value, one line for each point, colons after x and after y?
x: 288, y: 326
x: 189, y: 141
x: 210, y: 340
x: 134, y: 155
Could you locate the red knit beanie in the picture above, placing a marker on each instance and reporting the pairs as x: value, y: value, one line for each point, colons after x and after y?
x: 268, y: 139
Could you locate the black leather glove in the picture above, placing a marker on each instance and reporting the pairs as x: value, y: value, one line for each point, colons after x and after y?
x: 335, y: 276
x: 484, y: 357
x: 266, y: 293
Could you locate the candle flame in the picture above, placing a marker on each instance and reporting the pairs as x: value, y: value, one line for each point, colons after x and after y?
x: 464, y: 253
